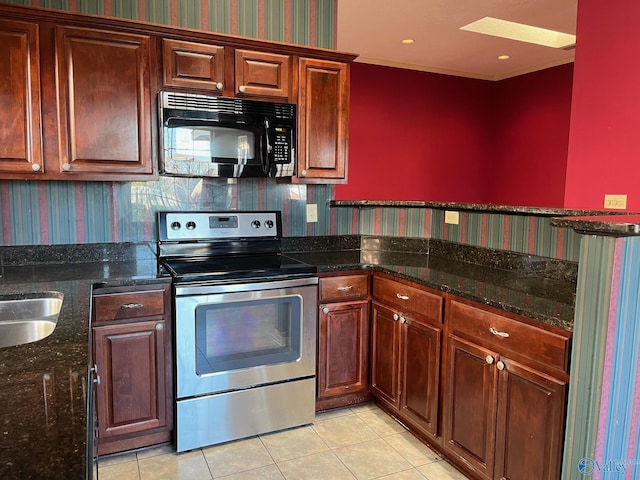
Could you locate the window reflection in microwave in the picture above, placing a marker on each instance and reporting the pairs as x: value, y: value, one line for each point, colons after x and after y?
x: 206, y: 144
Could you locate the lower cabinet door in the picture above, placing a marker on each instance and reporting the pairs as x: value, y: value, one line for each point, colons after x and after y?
x: 343, y: 348
x: 131, y: 396
x: 530, y: 428
x: 470, y: 405
x: 385, y: 355
x: 421, y: 344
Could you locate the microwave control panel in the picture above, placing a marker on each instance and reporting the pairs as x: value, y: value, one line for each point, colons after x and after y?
x: 282, y: 145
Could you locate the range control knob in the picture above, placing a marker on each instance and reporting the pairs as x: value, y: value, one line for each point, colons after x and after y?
x: 191, y: 225
x: 268, y: 224
x: 175, y: 225
x: 255, y: 224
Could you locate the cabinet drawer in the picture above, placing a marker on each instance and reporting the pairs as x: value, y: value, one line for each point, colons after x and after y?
x: 407, y: 298
x: 123, y: 305
x: 508, y: 335
x: 345, y: 286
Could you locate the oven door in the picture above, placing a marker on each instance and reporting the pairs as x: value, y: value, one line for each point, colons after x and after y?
x: 230, y: 337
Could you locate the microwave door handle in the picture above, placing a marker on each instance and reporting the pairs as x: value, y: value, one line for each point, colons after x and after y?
x: 266, y: 167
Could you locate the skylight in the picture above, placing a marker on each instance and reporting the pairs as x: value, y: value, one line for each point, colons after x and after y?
x: 520, y: 32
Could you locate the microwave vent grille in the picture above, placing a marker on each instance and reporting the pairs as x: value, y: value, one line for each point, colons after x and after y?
x: 231, y: 106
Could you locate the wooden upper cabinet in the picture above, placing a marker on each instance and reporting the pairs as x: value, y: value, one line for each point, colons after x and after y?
x: 262, y: 74
x: 195, y: 65
x: 104, y: 98
x: 20, y: 125
x: 323, y: 120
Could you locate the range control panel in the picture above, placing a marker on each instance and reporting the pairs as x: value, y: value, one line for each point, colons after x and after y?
x: 202, y: 226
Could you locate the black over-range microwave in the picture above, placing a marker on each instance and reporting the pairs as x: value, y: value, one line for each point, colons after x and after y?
x: 207, y: 136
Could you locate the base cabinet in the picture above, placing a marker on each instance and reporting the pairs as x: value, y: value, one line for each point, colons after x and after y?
x: 405, y: 358
x: 343, y: 341
x: 132, y: 354
x: 503, y: 408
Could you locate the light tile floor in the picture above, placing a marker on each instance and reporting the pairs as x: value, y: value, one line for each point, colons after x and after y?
x: 360, y: 442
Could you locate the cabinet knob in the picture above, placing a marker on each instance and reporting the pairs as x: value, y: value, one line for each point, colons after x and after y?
x: 97, y: 380
x: 219, y: 85
x: 303, y: 173
x: 35, y: 167
x: 325, y: 310
x: 500, y: 365
x: 159, y: 327
x: 396, y: 317
x: 242, y: 88
x: 66, y: 167
x: 489, y: 359
x: 403, y: 319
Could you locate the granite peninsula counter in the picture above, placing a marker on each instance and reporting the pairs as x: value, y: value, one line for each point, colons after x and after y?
x: 43, y: 385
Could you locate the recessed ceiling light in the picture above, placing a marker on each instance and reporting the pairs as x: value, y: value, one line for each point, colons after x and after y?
x: 520, y: 32
x: 503, y: 57
x: 408, y: 41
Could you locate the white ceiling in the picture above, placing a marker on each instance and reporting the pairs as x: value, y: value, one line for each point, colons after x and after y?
x: 373, y: 29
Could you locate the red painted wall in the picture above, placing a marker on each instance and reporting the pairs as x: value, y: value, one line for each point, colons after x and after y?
x: 423, y: 136
x: 604, y: 139
x: 531, y: 138
x: 416, y: 136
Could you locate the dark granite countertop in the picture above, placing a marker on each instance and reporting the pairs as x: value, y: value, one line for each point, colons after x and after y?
x: 43, y: 385
x: 534, y: 287
x: 475, y: 207
x: 613, y: 225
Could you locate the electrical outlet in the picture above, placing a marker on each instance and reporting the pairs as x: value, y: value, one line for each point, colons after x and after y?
x: 312, y: 212
x: 618, y: 202
x: 452, y: 218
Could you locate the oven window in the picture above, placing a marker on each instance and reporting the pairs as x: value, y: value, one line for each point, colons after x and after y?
x: 250, y: 333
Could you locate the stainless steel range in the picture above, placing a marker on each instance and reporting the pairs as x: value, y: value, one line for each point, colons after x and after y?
x: 245, y: 326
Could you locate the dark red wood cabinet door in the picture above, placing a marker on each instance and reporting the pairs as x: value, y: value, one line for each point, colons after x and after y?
x: 470, y: 404
x: 262, y: 74
x: 20, y: 123
x: 385, y: 355
x: 323, y: 120
x: 195, y: 65
x: 421, y: 344
x: 131, y: 396
x: 104, y: 96
x: 530, y: 428
x: 343, y: 353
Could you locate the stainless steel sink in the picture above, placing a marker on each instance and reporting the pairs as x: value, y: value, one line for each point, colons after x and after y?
x: 29, y: 317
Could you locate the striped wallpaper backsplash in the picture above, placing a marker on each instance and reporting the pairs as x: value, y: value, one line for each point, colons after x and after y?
x: 528, y: 234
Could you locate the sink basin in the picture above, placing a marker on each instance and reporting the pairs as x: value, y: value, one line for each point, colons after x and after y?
x: 28, y: 318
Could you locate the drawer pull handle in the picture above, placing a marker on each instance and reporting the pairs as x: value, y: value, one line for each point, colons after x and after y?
x: 346, y: 288
x: 402, y: 297
x: 132, y: 305
x: 498, y: 334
